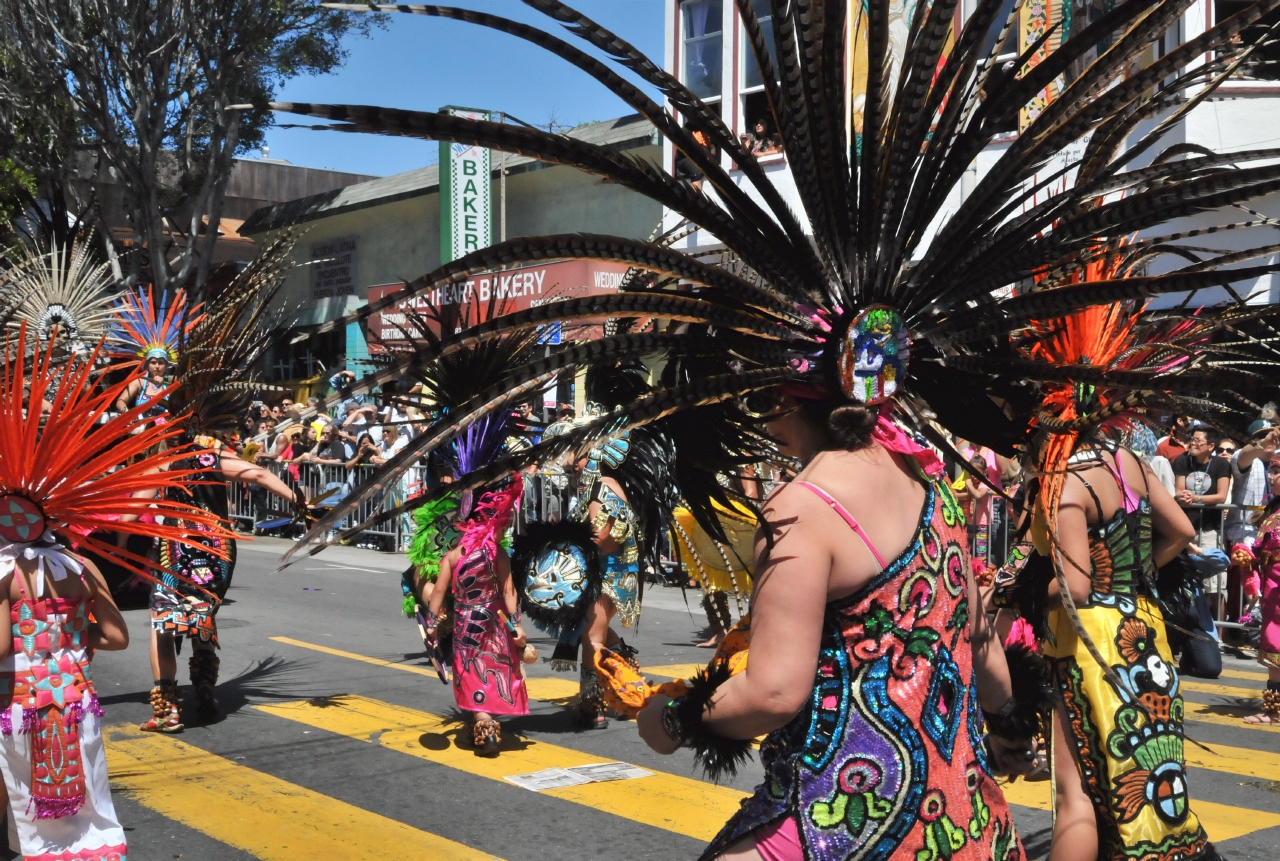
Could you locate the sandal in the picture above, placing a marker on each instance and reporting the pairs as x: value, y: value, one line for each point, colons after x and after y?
x: 164, y: 709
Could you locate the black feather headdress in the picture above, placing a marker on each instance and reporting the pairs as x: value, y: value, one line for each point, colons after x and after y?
x: 881, y: 247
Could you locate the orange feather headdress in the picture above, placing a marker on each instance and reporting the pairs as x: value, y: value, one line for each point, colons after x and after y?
x: 68, y: 469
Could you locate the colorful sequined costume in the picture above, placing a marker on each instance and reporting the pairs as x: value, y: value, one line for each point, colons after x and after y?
x: 486, y: 665
x: 1128, y: 739
x: 886, y: 760
x: 621, y: 570
x: 184, y: 606
x: 53, y: 497
x: 54, y: 762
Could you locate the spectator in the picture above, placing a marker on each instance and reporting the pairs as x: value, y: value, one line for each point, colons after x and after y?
x: 330, y: 449
x: 1169, y: 447
x: 766, y: 143
x: 301, y: 445
x: 392, y: 441
x: 1249, y: 481
x: 366, y: 453
x: 1201, y: 479
x: 285, y: 403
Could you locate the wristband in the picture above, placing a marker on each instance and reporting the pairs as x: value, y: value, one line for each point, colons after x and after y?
x: 719, y: 756
x: 671, y: 722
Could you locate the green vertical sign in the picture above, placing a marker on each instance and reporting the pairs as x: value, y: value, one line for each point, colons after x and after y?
x: 466, y: 209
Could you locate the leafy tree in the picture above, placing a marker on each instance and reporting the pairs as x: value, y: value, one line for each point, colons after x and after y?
x: 140, y: 89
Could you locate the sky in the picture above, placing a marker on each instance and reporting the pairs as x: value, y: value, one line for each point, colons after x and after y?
x: 421, y: 63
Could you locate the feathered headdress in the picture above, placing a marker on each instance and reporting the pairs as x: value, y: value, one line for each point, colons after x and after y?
x: 61, y: 289
x: 218, y: 349
x: 883, y: 287
x: 149, y: 330
x: 66, y: 473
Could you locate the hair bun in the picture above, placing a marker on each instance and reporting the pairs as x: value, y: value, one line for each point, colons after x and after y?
x: 851, y: 425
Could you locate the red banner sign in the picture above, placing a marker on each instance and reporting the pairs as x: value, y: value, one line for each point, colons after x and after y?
x: 468, y: 302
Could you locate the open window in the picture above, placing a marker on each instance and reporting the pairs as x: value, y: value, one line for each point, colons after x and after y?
x: 759, y: 135
x: 1264, y: 63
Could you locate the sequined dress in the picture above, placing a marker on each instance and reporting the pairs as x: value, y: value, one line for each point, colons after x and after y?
x: 54, y: 762
x: 1128, y: 740
x: 1266, y: 548
x: 176, y: 607
x: 486, y: 665
x: 886, y: 759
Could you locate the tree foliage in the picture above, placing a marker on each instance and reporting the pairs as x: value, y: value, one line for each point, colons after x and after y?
x: 137, y: 91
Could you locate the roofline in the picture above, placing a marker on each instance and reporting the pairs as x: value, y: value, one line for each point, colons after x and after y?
x: 273, y: 217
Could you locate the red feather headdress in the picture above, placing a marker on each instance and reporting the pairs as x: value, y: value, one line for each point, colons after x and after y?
x: 69, y: 470
x: 146, y: 328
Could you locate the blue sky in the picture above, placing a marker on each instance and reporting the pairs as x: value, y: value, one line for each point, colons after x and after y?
x: 422, y: 63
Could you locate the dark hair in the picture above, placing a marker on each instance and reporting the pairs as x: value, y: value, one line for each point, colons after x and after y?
x: 849, y: 425
x: 1211, y: 435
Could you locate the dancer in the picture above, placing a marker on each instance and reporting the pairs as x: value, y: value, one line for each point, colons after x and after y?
x: 1102, y: 524
x: 488, y: 641
x: 64, y: 476
x: 1266, y: 552
x: 214, y: 354
x: 151, y: 332
x: 882, y: 249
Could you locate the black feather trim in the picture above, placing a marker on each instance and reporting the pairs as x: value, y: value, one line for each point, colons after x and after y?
x: 524, y: 553
x: 1032, y: 701
x: 718, y: 756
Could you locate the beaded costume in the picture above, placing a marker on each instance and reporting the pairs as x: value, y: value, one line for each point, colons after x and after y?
x: 486, y: 666
x: 66, y: 474
x: 886, y: 760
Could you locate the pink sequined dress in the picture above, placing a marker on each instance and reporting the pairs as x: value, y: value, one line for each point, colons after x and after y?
x: 486, y: 665
x: 1266, y: 550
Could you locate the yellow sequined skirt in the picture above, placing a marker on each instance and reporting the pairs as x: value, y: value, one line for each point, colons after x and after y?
x: 1128, y: 739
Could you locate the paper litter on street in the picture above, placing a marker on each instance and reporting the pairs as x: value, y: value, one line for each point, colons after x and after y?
x: 602, y: 771
x: 551, y: 778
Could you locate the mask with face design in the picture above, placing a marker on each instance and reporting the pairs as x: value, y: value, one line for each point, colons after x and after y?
x: 556, y: 567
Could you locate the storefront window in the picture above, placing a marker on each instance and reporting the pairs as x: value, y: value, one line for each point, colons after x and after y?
x: 702, y: 46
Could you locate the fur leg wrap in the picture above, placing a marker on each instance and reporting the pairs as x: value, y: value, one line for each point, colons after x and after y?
x: 591, y: 704
x: 203, y: 666
x: 718, y: 756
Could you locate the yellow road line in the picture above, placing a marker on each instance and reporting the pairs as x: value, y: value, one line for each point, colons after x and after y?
x: 674, y: 671
x: 1221, y: 821
x: 1258, y: 675
x: 1214, y: 713
x: 377, y: 662
x: 561, y: 691
x: 667, y: 801
x: 267, y: 817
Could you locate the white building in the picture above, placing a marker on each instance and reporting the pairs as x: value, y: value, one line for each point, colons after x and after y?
x: 705, y: 46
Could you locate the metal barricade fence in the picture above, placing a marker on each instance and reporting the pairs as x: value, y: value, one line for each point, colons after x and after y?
x: 249, y: 504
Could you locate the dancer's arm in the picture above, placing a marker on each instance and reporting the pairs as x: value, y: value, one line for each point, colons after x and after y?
x: 507, y: 589
x: 109, y: 632
x: 443, y: 582
x: 244, y: 472
x: 130, y: 392
x: 995, y: 690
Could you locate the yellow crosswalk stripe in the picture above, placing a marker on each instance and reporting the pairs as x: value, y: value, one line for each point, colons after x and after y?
x: 1224, y: 714
x: 1221, y: 821
x: 1258, y: 675
x: 1228, y: 821
x: 267, y: 817
x: 667, y: 801
x: 377, y: 662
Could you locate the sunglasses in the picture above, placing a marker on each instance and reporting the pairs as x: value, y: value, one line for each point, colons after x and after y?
x: 1226, y: 449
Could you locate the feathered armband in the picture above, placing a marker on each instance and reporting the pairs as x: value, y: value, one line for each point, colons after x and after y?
x: 682, y: 719
x: 1024, y: 715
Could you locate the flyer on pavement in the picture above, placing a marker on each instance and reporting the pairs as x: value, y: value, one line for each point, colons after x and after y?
x: 551, y: 778
x: 601, y: 771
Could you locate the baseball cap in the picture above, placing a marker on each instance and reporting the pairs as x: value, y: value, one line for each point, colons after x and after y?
x: 1259, y: 426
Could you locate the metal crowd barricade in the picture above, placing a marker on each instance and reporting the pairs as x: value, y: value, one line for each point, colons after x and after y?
x: 249, y: 504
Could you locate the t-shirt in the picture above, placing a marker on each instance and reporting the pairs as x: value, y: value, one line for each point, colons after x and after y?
x: 1169, y: 448
x: 1202, y: 479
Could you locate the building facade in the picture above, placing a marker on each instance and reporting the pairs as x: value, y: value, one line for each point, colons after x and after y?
x: 367, y: 239
x: 705, y: 47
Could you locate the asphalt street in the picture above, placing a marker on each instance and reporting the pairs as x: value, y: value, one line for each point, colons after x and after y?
x: 338, y: 741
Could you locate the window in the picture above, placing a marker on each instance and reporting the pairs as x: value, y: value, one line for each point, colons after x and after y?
x: 1010, y: 45
x: 702, y: 45
x: 750, y: 69
x: 1264, y: 63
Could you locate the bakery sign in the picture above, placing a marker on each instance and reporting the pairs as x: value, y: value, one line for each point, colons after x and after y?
x: 465, y: 303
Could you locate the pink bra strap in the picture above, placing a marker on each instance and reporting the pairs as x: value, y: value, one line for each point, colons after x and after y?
x: 848, y: 518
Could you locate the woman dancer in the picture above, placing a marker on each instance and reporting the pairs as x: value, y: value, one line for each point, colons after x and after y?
x: 61, y: 482
x: 1102, y: 524
x: 871, y: 660
x: 1266, y: 552
x: 487, y: 637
